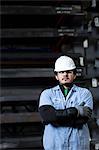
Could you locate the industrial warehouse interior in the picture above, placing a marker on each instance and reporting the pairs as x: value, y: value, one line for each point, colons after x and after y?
x: 34, y: 33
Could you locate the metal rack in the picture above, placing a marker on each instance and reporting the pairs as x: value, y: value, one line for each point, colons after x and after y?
x: 33, y: 34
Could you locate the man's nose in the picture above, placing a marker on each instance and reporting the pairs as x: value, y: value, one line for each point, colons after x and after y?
x: 65, y: 73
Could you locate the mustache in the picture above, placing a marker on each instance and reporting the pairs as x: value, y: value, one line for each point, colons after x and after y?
x: 65, y: 78
x: 68, y: 84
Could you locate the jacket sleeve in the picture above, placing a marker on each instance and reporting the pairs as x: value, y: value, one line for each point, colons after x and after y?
x: 62, y: 117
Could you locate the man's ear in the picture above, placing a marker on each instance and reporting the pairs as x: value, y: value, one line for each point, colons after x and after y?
x: 56, y: 77
x: 74, y: 77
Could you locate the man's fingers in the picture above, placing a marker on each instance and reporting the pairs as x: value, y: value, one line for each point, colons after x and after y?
x: 88, y: 112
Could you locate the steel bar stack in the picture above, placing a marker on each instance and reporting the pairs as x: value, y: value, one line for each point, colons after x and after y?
x: 33, y: 34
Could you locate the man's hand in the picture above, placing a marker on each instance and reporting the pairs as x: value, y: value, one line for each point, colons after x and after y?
x: 84, y: 111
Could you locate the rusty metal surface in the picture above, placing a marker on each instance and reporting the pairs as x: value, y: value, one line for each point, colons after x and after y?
x: 19, y: 117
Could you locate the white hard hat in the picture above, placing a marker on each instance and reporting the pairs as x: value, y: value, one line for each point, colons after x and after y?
x: 64, y: 63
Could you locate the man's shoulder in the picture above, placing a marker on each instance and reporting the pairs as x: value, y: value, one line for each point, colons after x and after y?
x: 81, y: 89
x: 49, y: 89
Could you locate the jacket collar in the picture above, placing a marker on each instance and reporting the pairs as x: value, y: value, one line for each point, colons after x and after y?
x: 58, y: 88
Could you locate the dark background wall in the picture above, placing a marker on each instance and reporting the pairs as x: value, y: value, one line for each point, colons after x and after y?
x: 33, y: 34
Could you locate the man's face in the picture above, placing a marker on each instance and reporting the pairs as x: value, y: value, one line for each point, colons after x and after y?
x: 65, y: 77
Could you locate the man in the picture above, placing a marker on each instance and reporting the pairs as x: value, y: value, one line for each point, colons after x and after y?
x: 65, y: 110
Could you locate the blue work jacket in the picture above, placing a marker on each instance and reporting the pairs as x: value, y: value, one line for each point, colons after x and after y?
x: 66, y: 138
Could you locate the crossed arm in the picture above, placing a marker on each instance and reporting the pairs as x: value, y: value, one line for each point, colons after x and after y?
x: 70, y: 117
